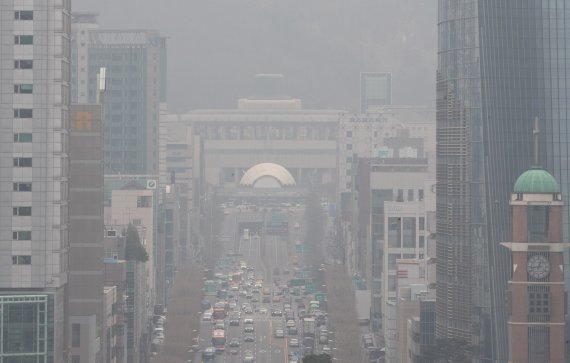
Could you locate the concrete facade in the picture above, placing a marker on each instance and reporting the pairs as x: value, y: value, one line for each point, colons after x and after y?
x: 235, y: 140
x: 34, y: 111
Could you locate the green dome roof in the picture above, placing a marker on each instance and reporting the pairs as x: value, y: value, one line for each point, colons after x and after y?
x: 536, y: 180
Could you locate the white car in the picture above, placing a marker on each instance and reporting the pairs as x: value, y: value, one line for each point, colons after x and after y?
x: 248, y: 321
x: 294, y: 342
x: 207, y: 317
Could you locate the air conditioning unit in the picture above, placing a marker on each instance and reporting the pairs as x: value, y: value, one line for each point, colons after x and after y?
x: 151, y: 184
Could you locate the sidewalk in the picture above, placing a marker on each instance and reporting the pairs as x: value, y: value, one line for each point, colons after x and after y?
x: 182, y: 319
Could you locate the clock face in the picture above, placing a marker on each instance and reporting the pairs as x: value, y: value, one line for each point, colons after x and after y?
x: 538, y: 267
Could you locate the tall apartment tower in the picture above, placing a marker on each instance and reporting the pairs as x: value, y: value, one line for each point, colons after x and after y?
x: 498, y: 68
x: 135, y: 61
x: 536, y: 288
x: 34, y: 107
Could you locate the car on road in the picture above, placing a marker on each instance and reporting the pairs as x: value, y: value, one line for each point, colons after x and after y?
x: 249, y: 329
x: 220, y: 326
x: 276, y: 312
x: 326, y: 349
x: 234, y: 342
x: 263, y: 311
x: 207, y: 317
x: 249, y: 338
x: 234, y: 321
x: 292, y: 330
x: 248, y: 356
x: 248, y: 321
x: 323, y: 339
x: 294, y: 342
x: 279, y: 333
x: 290, y: 323
x: 234, y: 352
x: 248, y: 311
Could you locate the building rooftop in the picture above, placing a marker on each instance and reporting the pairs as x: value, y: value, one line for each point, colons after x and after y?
x: 536, y: 180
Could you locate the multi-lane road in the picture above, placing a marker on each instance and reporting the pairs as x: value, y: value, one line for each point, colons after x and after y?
x: 263, y: 252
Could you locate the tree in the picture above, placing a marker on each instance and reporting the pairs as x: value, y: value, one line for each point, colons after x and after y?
x: 134, y: 250
x: 321, y: 358
x: 451, y: 350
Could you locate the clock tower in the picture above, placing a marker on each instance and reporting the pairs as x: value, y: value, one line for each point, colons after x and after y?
x: 536, y: 288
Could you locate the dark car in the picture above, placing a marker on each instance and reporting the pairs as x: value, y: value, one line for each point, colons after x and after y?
x: 249, y: 338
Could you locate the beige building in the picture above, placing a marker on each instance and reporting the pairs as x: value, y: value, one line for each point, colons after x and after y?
x: 110, y: 328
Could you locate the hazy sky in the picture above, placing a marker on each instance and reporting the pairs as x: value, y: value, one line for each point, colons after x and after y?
x: 216, y: 46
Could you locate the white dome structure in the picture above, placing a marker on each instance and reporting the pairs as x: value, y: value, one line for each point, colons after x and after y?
x: 267, y: 175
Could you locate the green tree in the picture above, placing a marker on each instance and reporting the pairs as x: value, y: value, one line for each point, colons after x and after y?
x: 321, y: 358
x: 449, y: 351
x: 134, y: 250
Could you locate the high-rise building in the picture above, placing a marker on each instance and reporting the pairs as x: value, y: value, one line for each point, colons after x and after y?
x: 135, y: 61
x: 536, y: 287
x: 85, y: 288
x: 375, y: 90
x: 499, y: 67
x: 34, y: 109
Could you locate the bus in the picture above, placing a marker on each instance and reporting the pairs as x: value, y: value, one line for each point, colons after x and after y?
x: 219, y: 339
x: 219, y: 312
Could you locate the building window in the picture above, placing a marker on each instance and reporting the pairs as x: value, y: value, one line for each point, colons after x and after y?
x: 537, y: 221
x: 23, y: 113
x: 422, y: 241
x: 144, y: 202
x: 538, y: 344
x: 77, y: 358
x: 137, y: 221
x: 24, y: 88
x: 349, y: 134
x: 21, y: 260
x: 400, y: 197
x: 422, y: 223
x: 22, y: 211
x: 538, y: 300
x: 349, y: 159
x: 24, y: 15
x: 23, y: 162
x: 24, y: 64
x: 75, y: 335
x: 22, y: 187
x: 23, y: 137
x: 420, y: 194
x: 348, y: 146
x: 24, y: 39
x: 22, y: 235
x: 410, y: 195
x: 409, y: 233
x: 394, y: 232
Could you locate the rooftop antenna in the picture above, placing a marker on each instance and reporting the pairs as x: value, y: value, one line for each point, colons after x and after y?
x: 535, y: 134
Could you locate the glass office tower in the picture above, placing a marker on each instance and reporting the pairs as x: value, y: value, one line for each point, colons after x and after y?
x: 501, y: 64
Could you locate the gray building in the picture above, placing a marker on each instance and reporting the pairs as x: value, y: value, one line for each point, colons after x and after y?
x: 499, y: 67
x: 375, y: 90
x: 136, y: 83
x: 85, y: 286
x: 34, y: 106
